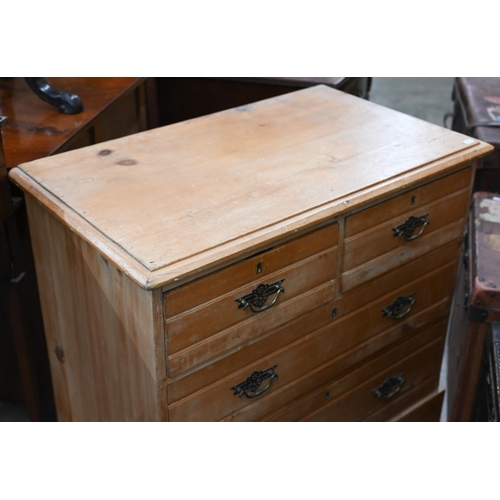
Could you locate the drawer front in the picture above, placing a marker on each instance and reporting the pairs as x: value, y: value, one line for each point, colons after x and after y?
x: 251, y: 354
x: 210, y: 318
x: 379, y: 391
x: 380, y: 250
x: 347, y: 341
x: 407, y: 202
x: 258, y: 267
x: 427, y: 292
x: 387, y: 283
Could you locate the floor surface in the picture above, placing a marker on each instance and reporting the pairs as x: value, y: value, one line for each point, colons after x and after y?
x: 425, y: 98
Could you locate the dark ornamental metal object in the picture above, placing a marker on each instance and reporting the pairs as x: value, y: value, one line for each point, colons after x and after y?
x: 397, y: 310
x: 65, y: 102
x: 250, y: 387
x: 390, y: 387
x: 408, y: 228
x: 257, y: 299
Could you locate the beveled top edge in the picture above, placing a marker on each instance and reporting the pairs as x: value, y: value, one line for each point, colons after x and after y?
x: 47, y: 185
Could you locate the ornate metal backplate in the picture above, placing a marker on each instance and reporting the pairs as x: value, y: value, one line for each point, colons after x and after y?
x: 407, y: 229
x: 257, y: 298
x: 400, y: 307
x: 250, y: 387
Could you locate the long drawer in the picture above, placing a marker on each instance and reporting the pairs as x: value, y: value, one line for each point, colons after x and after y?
x: 259, y: 267
x: 377, y: 386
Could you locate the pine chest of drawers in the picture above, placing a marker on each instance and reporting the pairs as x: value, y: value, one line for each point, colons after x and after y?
x: 293, y: 259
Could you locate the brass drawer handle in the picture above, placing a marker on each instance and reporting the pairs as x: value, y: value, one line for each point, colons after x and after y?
x: 258, y: 297
x: 409, y: 226
x: 390, y: 387
x: 251, y: 385
x: 397, y: 309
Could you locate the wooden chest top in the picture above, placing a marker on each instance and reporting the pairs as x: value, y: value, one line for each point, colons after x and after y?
x: 171, y: 202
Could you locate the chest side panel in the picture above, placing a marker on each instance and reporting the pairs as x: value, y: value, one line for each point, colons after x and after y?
x: 100, y: 329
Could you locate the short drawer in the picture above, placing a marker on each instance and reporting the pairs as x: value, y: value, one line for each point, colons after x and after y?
x: 376, y: 387
x: 379, y: 250
x: 258, y: 267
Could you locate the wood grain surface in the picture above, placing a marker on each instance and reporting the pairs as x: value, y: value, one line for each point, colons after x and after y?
x: 239, y: 178
x: 35, y: 129
x: 143, y: 244
x: 101, y: 329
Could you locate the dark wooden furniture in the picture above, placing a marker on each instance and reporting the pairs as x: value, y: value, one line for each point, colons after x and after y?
x: 185, y: 98
x: 487, y: 401
x: 113, y: 107
x: 476, y: 304
x: 476, y: 113
x: 24, y: 374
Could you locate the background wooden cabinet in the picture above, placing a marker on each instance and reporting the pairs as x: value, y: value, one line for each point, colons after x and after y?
x: 113, y: 107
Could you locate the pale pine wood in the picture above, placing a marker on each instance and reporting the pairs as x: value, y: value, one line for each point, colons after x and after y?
x: 316, y: 319
x: 427, y: 410
x: 392, y: 260
x: 221, y: 313
x: 101, y: 329
x: 187, y: 296
x: 412, y: 200
x: 335, y: 379
x: 251, y: 330
x: 240, y: 176
x: 379, y: 240
x: 298, y: 360
x: 358, y: 403
x: 159, y: 233
x: 317, y: 348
